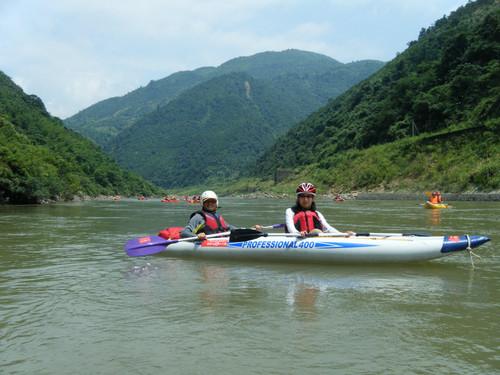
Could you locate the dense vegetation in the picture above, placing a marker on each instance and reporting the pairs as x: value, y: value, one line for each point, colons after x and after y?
x: 312, y: 77
x: 210, y: 131
x: 428, y: 119
x: 438, y: 102
x: 102, y: 121
x: 40, y: 159
x: 213, y: 130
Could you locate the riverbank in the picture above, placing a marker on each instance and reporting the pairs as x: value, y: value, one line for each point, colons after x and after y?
x: 448, y: 197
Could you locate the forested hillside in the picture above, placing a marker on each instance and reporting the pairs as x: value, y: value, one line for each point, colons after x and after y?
x: 40, y: 159
x: 435, y: 108
x: 212, y: 130
x: 102, y: 121
x: 313, y: 77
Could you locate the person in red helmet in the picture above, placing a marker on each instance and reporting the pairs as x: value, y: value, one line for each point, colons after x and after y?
x: 303, y: 218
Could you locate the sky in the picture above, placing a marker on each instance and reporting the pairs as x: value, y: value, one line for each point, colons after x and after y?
x: 74, y: 53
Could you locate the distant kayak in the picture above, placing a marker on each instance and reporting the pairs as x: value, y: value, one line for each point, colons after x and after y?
x: 435, y: 205
x: 170, y: 201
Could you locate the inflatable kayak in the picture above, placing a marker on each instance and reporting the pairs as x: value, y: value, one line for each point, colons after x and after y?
x: 359, y: 248
x: 435, y: 205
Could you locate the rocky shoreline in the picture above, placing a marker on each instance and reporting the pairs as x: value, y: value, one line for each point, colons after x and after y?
x: 448, y: 197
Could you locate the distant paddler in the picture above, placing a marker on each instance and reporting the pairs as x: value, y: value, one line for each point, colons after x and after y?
x: 435, y: 200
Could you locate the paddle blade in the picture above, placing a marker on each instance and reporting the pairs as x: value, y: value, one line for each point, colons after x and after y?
x: 239, y: 235
x: 146, y: 245
x: 143, y: 251
x: 276, y: 226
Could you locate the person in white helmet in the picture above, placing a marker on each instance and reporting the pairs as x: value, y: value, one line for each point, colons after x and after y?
x: 207, y: 220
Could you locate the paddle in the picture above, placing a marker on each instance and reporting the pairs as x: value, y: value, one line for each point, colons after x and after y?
x: 274, y: 226
x: 149, y: 245
x: 418, y: 234
x: 371, y: 234
x: 241, y: 235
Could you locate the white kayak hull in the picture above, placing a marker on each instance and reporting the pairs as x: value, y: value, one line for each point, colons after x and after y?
x: 323, y: 249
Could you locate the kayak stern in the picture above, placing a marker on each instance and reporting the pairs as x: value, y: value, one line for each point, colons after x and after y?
x: 459, y: 243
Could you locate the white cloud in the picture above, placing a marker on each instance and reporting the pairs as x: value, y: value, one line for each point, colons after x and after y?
x: 74, y: 53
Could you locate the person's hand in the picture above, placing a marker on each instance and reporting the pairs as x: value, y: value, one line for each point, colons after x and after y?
x: 314, y: 233
x: 303, y: 234
x: 258, y: 227
x: 202, y: 236
x: 349, y: 233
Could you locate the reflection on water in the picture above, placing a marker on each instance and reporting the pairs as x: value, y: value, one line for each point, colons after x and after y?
x: 303, y: 299
x: 215, y: 282
x: 434, y: 217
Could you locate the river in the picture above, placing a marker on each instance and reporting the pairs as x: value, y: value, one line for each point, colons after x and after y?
x: 71, y: 301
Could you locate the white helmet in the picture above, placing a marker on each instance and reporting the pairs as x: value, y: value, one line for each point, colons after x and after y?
x: 209, y: 194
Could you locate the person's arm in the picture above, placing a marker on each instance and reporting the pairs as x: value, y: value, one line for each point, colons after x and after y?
x: 290, y: 226
x: 326, y: 227
x: 193, y: 226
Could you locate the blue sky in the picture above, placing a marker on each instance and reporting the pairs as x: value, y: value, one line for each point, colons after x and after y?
x: 74, y: 53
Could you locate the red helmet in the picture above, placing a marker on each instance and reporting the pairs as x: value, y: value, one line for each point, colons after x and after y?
x: 306, y: 188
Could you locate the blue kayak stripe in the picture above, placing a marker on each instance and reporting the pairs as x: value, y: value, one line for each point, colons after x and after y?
x: 266, y: 244
x: 332, y: 245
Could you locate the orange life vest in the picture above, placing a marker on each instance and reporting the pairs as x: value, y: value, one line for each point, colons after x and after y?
x: 436, y: 199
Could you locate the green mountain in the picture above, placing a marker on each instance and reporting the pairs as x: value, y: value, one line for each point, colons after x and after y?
x: 314, y: 77
x: 40, y: 159
x: 102, y: 121
x: 268, y: 65
x: 210, y: 131
x: 430, y: 117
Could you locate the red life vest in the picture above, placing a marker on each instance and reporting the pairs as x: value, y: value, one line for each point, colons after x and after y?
x: 306, y: 221
x: 214, y: 223
x: 172, y: 233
